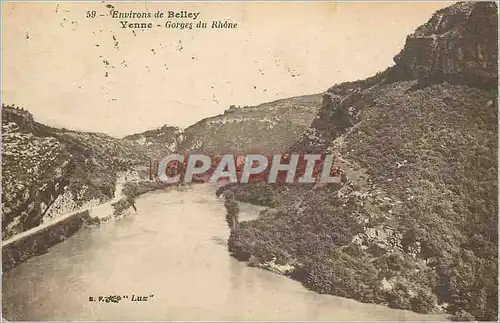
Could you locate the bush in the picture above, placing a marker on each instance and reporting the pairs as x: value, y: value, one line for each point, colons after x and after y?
x: 463, y: 316
x: 423, y: 302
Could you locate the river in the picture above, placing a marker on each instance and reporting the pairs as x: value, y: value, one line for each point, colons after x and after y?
x: 173, y: 248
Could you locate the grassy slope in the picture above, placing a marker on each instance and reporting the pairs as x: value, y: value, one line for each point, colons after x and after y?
x: 157, y: 142
x: 268, y: 127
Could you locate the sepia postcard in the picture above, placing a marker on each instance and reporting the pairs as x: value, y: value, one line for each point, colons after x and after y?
x: 249, y: 161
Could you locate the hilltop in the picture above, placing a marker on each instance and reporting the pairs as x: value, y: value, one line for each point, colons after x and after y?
x: 158, y: 142
x: 267, y: 127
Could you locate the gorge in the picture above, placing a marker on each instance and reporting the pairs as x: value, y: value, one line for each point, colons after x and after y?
x: 414, y: 226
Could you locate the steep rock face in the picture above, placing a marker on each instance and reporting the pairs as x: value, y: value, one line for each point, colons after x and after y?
x: 460, y: 40
x: 339, y: 111
x: 458, y: 44
x: 48, y: 172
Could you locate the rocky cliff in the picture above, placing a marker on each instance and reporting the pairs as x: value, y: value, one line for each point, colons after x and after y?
x: 415, y: 225
x: 458, y: 42
x: 48, y: 172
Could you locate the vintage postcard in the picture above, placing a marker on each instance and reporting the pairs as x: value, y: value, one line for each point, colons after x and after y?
x: 249, y: 161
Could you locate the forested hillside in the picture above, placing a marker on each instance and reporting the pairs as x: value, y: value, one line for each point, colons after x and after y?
x: 415, y: 225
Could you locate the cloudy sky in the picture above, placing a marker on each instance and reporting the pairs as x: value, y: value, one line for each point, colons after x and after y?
x: 91, y: 74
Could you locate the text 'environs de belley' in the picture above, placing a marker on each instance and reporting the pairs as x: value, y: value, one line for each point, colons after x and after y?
x: 183, y: 20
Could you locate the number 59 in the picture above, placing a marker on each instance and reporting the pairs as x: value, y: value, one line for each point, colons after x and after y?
x: 91, y: 14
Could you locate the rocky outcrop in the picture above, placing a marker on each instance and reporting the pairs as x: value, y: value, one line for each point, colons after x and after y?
x: 339, y: 111
x: 459, y: 41
x: 333, y: 119
x: 48, y: 172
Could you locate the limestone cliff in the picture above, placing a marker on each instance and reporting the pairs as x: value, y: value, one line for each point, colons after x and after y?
x: 458, y: 41
x: 48, y: 172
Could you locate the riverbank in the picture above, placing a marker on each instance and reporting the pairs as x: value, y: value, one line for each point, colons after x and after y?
x: 322, y: 254
x: 175, y: 249
x: 37, y: 240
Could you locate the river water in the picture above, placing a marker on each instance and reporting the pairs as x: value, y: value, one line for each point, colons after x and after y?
x: 174, y: 248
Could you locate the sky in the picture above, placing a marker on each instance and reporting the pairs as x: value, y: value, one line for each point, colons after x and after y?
x: 91, y: 74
